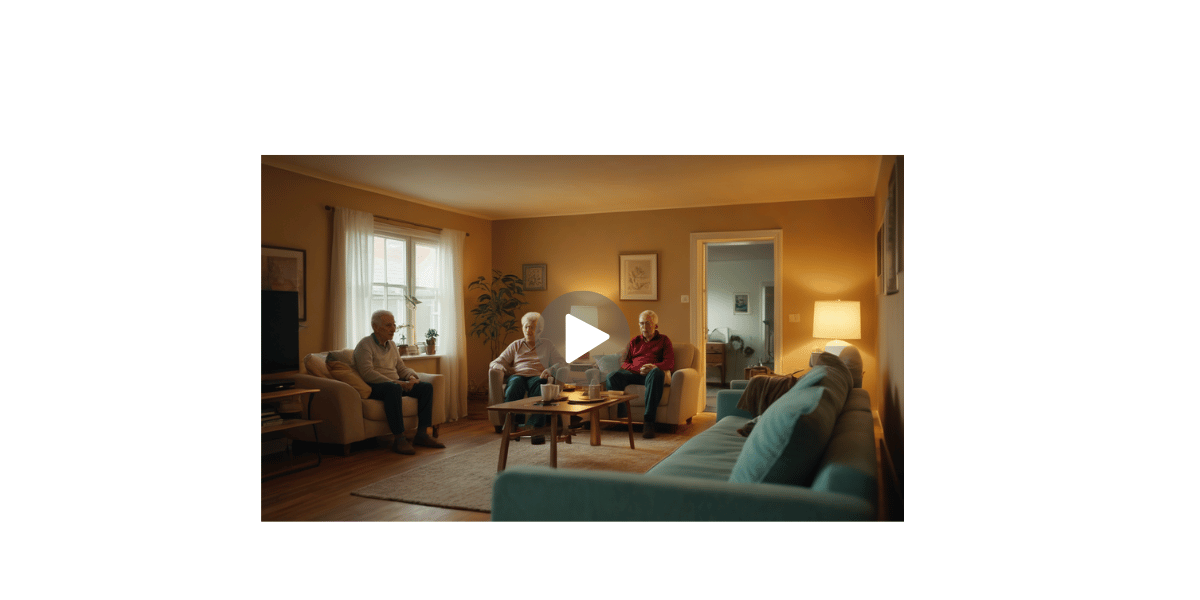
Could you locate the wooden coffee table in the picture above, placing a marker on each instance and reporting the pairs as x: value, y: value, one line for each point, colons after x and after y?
x: 572, y: 406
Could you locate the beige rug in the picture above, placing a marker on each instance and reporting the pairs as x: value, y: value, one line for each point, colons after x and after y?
x: 464, y: 481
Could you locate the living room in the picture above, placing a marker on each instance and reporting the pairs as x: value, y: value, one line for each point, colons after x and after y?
x: 829, y: 252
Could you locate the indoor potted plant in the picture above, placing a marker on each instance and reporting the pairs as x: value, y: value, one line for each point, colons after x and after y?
x: 431, y: 341
x: 496, y: 313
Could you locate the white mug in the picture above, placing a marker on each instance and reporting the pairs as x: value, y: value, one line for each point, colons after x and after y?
x: 550, y: 391
x: 594, y: 391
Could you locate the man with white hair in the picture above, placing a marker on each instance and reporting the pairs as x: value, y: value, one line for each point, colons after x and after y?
x: 645, y: 361
x: 378, y: 361
x: 528, y: 363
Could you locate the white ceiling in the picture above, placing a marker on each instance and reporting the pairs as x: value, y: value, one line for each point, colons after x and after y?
x: 508, y: 187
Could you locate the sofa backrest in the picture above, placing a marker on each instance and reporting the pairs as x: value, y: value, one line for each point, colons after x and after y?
x: 848, y: 465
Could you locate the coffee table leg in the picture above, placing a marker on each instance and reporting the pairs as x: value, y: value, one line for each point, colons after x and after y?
x: 508, y: 427
x: 595, y: 427
x: 554, y: 441
x: 629, y: 421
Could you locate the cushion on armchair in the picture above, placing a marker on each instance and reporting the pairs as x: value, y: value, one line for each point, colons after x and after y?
x: 346, y: 374
x: 787, y: 443
x: 608, y: 363
x: 315, y: 365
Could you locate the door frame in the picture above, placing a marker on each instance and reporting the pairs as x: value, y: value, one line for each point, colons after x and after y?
x: 698, y: 286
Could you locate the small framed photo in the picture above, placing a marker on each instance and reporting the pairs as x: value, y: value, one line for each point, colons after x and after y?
x: 283, y: 270
x: 534, y: 276
x: 741, y: 303
x: 638, y: 276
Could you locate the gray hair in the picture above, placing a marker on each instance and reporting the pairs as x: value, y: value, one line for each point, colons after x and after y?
x: 377, y: 317
x: 532, y: 316
x: 649, y: 314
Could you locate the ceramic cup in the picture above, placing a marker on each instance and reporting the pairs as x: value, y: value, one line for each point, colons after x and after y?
x: 550, y: 391
x: 594, y: 391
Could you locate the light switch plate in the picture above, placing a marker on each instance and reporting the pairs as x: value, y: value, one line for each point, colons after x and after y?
x: 683, y: 298
x: 794, y: 318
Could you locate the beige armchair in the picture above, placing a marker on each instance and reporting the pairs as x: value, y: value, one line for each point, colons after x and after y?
x: 347, y: 415
x: 681, y: 390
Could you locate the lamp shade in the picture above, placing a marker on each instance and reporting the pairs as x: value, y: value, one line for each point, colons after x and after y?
x: 837, y: 319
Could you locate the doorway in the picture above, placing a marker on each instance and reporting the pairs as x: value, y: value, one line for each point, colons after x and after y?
x: 733, y: 276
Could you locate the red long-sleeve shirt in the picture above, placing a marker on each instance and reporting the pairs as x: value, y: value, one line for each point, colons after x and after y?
x: 657, y: 351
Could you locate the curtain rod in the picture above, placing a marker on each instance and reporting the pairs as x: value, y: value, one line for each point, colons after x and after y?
x: 328, y: 207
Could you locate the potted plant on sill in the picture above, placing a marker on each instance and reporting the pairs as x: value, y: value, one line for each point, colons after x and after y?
x: 431, y: 341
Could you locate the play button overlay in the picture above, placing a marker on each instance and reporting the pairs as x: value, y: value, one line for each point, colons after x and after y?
x: 581, y: 338
x: 584, y: 325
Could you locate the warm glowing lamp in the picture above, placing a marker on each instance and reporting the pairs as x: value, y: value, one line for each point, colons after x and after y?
x: 837, y: 319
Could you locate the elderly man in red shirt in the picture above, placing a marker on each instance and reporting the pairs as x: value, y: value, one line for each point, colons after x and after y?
x: 646, y: 360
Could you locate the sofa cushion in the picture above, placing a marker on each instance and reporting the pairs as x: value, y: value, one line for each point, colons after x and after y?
x: 314, y: 364
x: 343, y: 356
x: 787, y: 443
x: 608, y: 363
x: 709, y: 455
x: 346, y: 374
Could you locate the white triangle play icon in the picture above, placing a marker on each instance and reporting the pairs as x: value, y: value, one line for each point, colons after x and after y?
x: 581, y: 338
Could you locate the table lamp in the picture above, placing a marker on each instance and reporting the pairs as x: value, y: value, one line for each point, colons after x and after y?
x: 837, y: 319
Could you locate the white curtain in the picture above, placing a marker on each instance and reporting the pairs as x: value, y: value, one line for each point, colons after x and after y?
x: 350, y: 276
x: 452, y: 341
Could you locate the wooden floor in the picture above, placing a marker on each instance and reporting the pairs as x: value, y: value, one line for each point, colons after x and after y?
x: 323, y: 493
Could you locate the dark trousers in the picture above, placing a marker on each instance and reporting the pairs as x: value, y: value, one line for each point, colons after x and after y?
x: 521, y: 386
x: 617, y: 380
x: 392, y: 396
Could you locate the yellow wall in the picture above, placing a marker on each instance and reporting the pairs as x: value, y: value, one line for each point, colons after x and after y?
x: 828, y: 254
x: 890, y: 400
x: 294, y: 216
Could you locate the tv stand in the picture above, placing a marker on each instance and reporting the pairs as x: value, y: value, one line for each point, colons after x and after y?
x: 291, y: 420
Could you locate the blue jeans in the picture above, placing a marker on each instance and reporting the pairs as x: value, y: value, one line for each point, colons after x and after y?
x: 391, y: 394
x: 521, y: 386
x: 617, y: 380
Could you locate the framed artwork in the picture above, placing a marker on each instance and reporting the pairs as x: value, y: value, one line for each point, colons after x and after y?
x: 283, y: 270
x: 638, y: 276
x: 534, y: 276
x: 891, y: 233
x: 879, y: 261
x: 741, y: 303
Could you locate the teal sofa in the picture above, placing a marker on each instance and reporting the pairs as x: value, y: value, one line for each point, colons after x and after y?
x: 810, y: 457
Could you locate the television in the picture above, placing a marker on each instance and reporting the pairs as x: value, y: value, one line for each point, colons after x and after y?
x: 280, y: 331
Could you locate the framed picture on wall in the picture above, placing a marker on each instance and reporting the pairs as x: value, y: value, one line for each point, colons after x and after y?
x: 283, y: 270
x: 638, y: 276
x: 891, y: 233
x: 741, y: 303
x: 534, y: 276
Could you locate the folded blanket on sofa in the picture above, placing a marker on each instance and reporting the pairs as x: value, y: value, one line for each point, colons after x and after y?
x: 760, y: 393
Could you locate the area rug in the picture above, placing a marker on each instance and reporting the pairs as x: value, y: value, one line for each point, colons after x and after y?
x: 464, y: 481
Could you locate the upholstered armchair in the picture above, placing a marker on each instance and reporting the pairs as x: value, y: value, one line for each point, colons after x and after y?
x: 681, y: 388
x: 342, y: 405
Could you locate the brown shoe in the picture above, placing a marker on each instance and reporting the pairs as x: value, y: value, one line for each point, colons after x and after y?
x: 401, y: 445
x: 423, y: 439
x: 648, y: 429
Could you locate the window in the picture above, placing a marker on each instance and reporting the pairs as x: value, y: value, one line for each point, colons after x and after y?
x: 406, y: 265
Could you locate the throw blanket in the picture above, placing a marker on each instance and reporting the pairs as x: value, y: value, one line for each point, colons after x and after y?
x: 760, y: 393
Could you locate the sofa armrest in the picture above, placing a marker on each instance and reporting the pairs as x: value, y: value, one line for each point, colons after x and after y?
x: 337, y: 405
x: 536, y: 493
x: 727, y: 401
x: 739, y: 384
x: 439, y: 395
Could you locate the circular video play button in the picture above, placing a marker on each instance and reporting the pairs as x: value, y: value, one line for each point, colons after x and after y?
x: 583, y: 325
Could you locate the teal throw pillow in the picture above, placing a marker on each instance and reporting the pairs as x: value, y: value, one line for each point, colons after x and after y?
x: 608, y: 363
x: 790, y: 438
